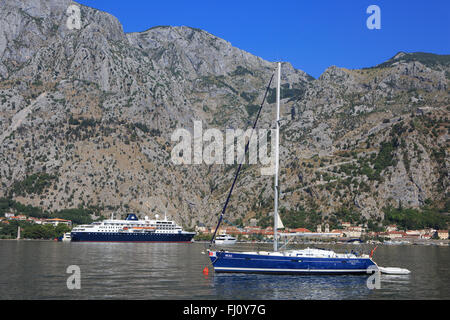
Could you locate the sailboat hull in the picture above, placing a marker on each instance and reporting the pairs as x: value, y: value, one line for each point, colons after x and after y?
x: 232, y: 262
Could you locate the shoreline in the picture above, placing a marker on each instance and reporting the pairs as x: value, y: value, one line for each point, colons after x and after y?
x: 443, y: 242
x: 52, y: 240
x: 434, y: 242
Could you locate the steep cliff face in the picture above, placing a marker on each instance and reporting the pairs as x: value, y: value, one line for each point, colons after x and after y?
x: 86, y: 118
x: 378, y: 135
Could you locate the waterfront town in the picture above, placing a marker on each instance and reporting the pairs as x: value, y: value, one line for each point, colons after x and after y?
x: 257, y: 233
x: 347, y: 232
x: 54, y: 221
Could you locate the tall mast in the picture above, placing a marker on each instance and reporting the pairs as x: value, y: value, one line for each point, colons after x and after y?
x: 240, y: 165
x: 277, y: 138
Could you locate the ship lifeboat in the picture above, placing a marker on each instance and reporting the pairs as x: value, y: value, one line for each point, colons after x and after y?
x: 144, y: 228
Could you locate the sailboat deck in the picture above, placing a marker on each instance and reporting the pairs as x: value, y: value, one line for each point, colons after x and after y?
x: 309, y: 252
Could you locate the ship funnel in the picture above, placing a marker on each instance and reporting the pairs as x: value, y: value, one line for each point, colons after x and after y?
x: 131, y: 216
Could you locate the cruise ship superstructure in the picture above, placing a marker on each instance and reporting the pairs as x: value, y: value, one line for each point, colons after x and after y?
x: 132, y: 230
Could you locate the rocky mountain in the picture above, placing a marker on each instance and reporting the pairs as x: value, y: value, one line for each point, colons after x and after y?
x: 87, y: 115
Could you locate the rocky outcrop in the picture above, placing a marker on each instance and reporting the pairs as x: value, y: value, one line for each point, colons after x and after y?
x: 96, y: 108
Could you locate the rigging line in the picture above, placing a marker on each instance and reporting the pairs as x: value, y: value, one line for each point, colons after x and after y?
x: 240, y: 165
x: 233, y: 224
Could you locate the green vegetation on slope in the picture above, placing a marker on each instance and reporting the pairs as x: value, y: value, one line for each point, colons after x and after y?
x: 76, y: 215
x: 412, y: 219
x: 33, y: 184
x: 32, y: 231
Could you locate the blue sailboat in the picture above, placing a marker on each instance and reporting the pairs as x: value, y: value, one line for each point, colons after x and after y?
x: 305, y: 261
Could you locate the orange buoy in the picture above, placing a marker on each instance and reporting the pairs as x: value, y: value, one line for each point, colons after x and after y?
x: 206, y: 271
x: 373, y: 251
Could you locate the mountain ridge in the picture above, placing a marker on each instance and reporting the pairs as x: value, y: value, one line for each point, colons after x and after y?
x: 95, y: 109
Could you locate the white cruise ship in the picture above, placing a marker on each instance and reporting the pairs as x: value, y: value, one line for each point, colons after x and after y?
x: 132, y: 230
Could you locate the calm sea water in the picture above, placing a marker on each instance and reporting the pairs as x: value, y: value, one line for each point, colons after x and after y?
x: 37, y: 270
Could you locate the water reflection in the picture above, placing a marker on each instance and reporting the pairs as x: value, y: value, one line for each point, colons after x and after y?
x: 241, y: 286
x: 37, y: 270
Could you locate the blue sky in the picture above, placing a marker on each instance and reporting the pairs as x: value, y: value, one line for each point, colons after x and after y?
x: 312, y: 35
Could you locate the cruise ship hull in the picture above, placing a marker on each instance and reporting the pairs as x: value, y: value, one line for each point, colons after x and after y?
x: 131, y: 237
x: 255, y: 263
